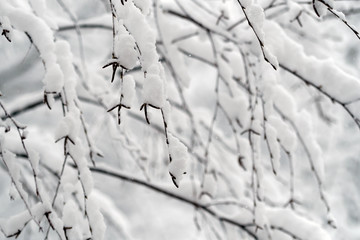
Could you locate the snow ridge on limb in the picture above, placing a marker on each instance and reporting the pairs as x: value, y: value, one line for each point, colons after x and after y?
x: 326, y: 78
x: 135, y: 41
x: 255, y: 17
x: 12, y: 226
x: 178, y: 159
x: 296, y: 226
x: 320, y: 7
x: 41, y: 197
x: 89, y: 220
x: 323, y: 75
x: 42, y: 37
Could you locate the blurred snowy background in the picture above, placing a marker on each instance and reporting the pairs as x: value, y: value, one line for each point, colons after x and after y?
x: 132, y: 211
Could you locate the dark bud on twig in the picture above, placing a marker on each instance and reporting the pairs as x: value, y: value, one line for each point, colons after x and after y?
x: 46, y: 101
x: 144, y: 106
x: 5, y: 33
x: 173, y: 178
x: 240, y: 161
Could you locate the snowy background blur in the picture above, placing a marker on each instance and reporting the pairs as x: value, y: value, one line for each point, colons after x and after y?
x: 214, y: 76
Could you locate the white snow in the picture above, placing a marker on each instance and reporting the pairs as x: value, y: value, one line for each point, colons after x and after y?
x: 235, y: 107
x: 179, y: 159
x: 144, y: 5
x: 42, y: 37
x: 245, y: 3
x: 286, y: 136
x: 128, y: 90
x: 67, y: 128
x: 77, y: 152
x: 17, y: 222
x: 96, y: 218
x: 71, y: 220
x: 291, y: 222
x: 153, y: 90
x: 125, y: 50
x: 324, y: 74
x: 256, y: 17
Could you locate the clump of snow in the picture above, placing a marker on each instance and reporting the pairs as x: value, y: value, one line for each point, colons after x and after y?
x: 291, y: 222
x: 125, y: 51
x: 53, y: 79
x: 270, y: 57
x: 143, y: 5
x: 57, y: 224
x: 319, y: 8
x: 179, y: 158
x: 42, y: 37
x: 135, y: 40
x: 153, y: 88
x: 128, y: 90
x: 96, y: 219
x: 324, y: 74
x: 67, y: 128
x: 260, y: 217
x: 135, y: 23
x: 256, y: 16
x: 167, y: 111
x: 12, y: 224
x: 77, y: 153
x: 245, y: 3
x: 71, y: 220
x: 65, y: 61
x: 40, y: 8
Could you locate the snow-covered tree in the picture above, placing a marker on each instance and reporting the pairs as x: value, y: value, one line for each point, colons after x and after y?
x: 179, y: 119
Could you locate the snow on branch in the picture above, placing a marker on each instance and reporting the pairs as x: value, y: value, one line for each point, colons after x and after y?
x: 321, y: 5
x: 323, y: 75
x: 184, y: 99
x: 42, y: 37
x: 254, y: 15
x: 13, y: 226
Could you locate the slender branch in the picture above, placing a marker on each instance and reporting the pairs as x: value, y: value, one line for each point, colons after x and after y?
x: 256, y: 34
x: 321, y: 90
x: 158, y: 189
x: 337, y: 14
